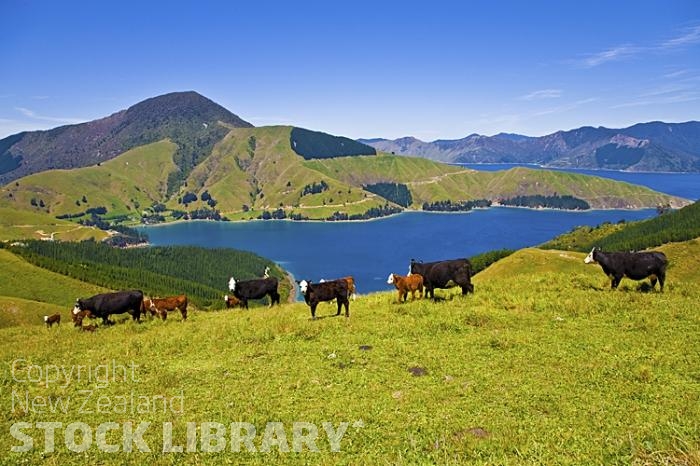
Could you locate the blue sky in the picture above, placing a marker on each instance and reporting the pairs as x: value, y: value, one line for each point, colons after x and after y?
x: 433, y: 70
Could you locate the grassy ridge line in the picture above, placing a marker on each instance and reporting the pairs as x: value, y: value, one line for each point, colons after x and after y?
x: 544, y: 366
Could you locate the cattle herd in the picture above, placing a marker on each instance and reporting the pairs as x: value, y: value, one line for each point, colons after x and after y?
x: 423, y: 277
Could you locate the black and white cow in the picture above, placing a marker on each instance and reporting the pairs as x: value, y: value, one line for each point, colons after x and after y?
x: 314, y: 293
x: 256, y: 288
x: 634, y: 265
x: 105, y: 304
x: 444, y: 274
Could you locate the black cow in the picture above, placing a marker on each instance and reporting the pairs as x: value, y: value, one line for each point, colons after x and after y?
x: 314, y: 293
x: 440, y: 274
x: 254, y: 289
x: 634, y: 265
x: 105, y: 304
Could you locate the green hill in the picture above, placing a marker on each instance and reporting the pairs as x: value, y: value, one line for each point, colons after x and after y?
x: 252, y: 171
x: 542, y: 365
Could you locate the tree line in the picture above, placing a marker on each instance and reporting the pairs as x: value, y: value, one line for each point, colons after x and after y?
x: 200, y: 273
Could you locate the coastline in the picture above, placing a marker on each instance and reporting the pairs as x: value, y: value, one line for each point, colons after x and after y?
x: 406, y: 211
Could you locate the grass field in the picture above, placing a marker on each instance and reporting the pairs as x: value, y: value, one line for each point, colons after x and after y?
x: 542, y: 365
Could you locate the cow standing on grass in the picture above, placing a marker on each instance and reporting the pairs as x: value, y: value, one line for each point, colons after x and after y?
x: 634, y: 265
x: 253, y: 289
x: 105, y: 304
x: 315, y: 293
x: 444, y: 274
x: 410, y: 283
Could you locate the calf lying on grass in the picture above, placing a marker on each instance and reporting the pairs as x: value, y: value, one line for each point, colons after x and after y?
x: 405, y: 284
x: 52, y: 319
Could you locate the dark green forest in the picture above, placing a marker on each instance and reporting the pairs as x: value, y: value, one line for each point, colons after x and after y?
x: 202, y: 274
x: 397, y: 193
x: 552, y: 202
x: 317, y: 145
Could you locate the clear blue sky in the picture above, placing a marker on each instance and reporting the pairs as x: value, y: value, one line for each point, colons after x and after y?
x: 433, y: 70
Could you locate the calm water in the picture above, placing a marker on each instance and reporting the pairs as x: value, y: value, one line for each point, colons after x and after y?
x: 371, y: 250
x: 686, y: 185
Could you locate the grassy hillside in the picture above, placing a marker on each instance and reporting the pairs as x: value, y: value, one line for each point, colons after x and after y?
x: 542, y: 365
x: 124, y: 185
x: 23, y: 224
x: 256, y: 167
x: 429, y: 181
x: 199, y: 273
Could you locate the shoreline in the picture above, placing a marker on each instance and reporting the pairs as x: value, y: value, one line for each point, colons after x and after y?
x: 406, y: 211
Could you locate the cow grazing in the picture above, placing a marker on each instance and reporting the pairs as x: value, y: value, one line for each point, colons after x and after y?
x: 105, y: 304
x: 314, y: 293
x: 161, y: 306
x: 404, y: 284
x: 52, y: 319
x: 256, y: 288
x: 634, y: 265
x: 444, y: 274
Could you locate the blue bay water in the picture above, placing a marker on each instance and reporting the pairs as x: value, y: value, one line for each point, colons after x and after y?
x: 369, y: 251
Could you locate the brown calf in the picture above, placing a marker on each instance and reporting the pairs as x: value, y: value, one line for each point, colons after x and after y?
x: 232, y: 301
x: 161, y: 306
x: 405, y: 284
x: 79, y: 316
x: 52, y: 319
x: 89, y: 328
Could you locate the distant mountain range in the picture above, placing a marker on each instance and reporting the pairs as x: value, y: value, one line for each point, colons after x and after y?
x: 655, y: 146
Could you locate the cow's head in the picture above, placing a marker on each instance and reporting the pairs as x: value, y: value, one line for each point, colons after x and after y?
x: 78, y: 307
x: 590, y: 258
x: 304, y: 286
x: 390, y: 280
x: 232, y: 284
x: 266, y: 274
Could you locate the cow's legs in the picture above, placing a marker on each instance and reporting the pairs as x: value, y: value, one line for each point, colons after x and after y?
x: 662, y: 279
x: 340, y: 305
x: 347, y: 308
x: 313, y: 310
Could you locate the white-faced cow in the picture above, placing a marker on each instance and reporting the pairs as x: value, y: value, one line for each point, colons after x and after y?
x: 634, y: 265
x: 444, y: 274
x: 314, y: 293
x: 105, y: 304
x: 256, y: 288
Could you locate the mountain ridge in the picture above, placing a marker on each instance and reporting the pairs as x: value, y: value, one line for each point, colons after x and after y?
x: 652, y: 146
